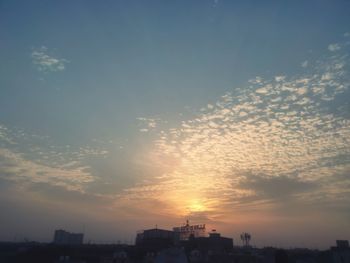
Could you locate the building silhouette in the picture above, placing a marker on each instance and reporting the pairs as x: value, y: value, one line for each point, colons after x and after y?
x: 149, y: 243
x: 63, y: 237
x: 341, y: 253
x: 185, y: 231
x: 214, y: 243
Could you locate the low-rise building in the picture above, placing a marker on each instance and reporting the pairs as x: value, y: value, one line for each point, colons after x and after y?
x: 63, y: 237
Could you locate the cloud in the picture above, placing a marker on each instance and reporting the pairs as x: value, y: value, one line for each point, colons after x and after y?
x: 279, y: 78
x: 15, y: 167
x: 45, y: 62
x: 262, y: 90
x: 304, y: 64
x: 266, y: 142
x: 149, y: 124
x: 279, y: 188
x: 210, y: 106
x: 334, y: 47
x: 24, y: 160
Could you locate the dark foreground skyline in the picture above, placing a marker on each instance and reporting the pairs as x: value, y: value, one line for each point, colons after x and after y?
x: 156, y: 245
x: 121, y: 115
x: 185, y: 231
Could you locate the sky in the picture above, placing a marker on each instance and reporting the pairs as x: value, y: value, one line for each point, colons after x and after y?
x: 117, y: 116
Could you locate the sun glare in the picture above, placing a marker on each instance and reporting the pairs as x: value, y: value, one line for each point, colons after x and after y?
x: 196, y: 205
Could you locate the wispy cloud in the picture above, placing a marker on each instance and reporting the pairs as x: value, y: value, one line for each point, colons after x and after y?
x: 304, y: 64
x: 45, y: 62
x: 15, y: 167
x: 334, y: 47
x: 148, y: 124
x: 24, y: 160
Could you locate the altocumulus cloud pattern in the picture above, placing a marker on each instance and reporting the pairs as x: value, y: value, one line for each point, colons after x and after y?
x: 45, y: 62
x: 291, y: 133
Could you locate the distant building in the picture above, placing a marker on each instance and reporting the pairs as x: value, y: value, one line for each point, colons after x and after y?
x: 341, y: 253
x: 154, y: 233
x: 152, y: 240
x: 192, y: 238
x: 215, y: 243
x: 342, y: 243
x: 184, y: 232
x: 63, y: 237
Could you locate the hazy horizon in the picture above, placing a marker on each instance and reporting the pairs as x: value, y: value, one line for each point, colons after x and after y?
x: 123, y: 115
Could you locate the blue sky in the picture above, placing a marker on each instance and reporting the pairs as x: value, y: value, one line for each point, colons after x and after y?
x: 121, y: 115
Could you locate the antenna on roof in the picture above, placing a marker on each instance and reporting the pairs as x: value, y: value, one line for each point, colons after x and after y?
x: 245, y: 237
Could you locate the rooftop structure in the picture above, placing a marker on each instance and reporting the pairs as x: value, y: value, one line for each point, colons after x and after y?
x: 184, y: 232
